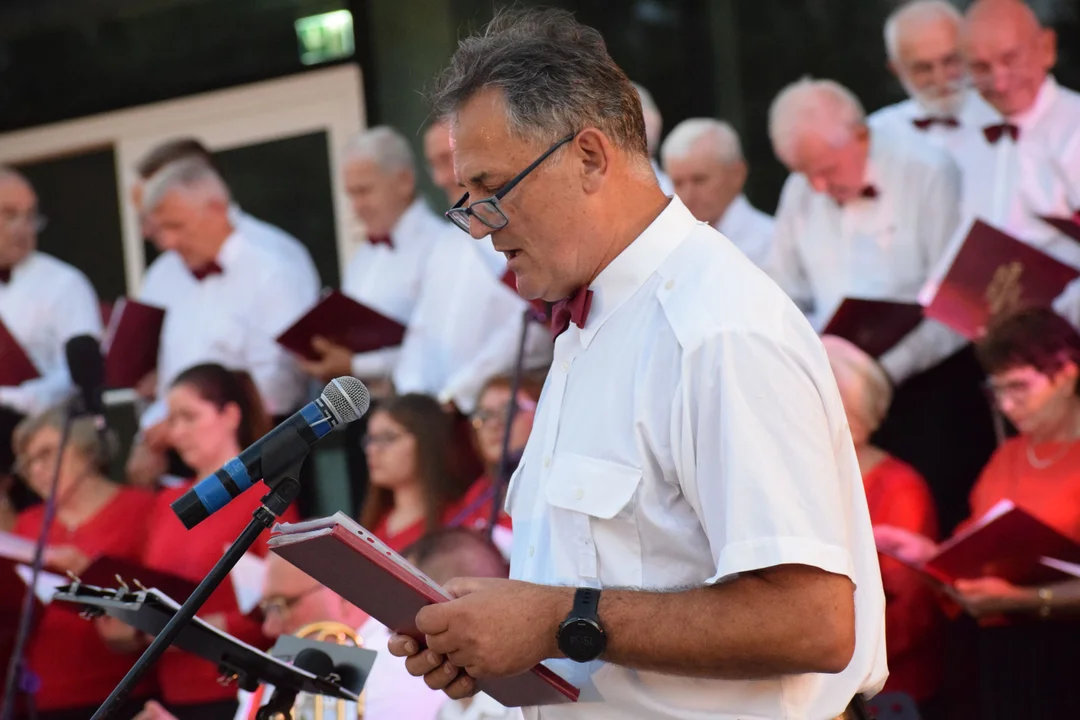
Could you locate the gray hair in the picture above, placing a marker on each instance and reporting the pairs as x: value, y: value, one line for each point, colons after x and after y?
x: 719, y: 138
x: 192, y: 176
x: 821, y: 107
x: 916, y: 12
x: 654, y: 121
x: 97, y: 447
x: 383, y: 144
x: 555, y: 75
x: 8, y: 173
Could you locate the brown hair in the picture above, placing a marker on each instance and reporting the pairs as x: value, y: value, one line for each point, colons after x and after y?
x: 1037, y: 337
x: 169, y: 152
x: 531, y: 384
x: 221, y: 386
x: 439, y: 474
x: 470, y: 553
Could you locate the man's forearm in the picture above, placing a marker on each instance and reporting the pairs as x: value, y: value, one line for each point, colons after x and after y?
x: 782, y: 621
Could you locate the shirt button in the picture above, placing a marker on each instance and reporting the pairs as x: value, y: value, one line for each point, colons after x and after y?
x: 547, y: 461
x: 579, y: 493
x: 566, y: 366
x: 670, y: 284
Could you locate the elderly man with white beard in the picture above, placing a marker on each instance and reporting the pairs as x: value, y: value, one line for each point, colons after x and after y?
x: 922, y: 39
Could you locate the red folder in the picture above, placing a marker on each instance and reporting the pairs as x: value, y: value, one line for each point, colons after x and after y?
x: 1067, y: 226
x: 1006, y: 543
x: 103, y: 572
x: 995, y: 274
x: 343, y: 321
x: 131, y: 342
x: 15, y: 365
x: 356, y: 565
x: 874, y: 326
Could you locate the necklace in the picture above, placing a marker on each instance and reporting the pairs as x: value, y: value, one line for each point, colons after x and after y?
x: 1043, y: 464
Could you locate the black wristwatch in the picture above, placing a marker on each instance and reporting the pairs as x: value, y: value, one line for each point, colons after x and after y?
x: 581, y: 638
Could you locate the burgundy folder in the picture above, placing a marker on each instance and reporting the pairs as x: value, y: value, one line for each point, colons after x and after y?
x: 131, y: 342
x: 1066, y: 225
x: 103, y: 572
x: 352, y: 562
x: 15, y: 365
x: 995, y: 274
x: 342, y: 321
x: 874, y: 326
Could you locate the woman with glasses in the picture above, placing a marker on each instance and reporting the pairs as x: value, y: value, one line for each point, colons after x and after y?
x: 415, y: 485
x: 1028, y: 651
x: 213, y: 414
x: 93, y: 517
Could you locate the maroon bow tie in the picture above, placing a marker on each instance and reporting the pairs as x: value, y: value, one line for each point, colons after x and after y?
x: 381, y: 240
x: 993, y: 133
x: 928, y: 122
x: 869, y: 192
x: 574, y: 309
x: 210, y: 268
x: 5, y: 275
x: 541, y: 309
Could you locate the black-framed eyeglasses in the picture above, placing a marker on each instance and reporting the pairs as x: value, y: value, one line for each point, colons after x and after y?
x: 282, y: 604
x: 488, y: 211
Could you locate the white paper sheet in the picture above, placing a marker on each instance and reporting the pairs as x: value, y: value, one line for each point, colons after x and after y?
x: 46, y: 585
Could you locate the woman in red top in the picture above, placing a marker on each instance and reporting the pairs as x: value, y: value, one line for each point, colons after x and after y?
x: 897, y: 496
x: 1028, y: 653
x: 94, y: 517
x: 213, y: 414
x: 413, y: 483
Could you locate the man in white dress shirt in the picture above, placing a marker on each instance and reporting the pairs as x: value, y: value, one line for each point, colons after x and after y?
x: 226, y: 295
x: 704, y: 159
x: 654, y: 126
x: 44, y: 302
x: 689, y: 470
x: 385, y: 271
x: 922, y: 40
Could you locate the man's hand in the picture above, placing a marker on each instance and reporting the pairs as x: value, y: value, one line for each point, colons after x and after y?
x: 992, y: 596
x: 119, y: 636
x: 66, y: 558
x: 147, y: 387
x: 334, y: 360
x: 145, y: 465
x: 153, y: 710
x: 905, y: 545
x: 495, y: 628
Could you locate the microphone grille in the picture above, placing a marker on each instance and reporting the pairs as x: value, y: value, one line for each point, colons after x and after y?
x: 348, y: 398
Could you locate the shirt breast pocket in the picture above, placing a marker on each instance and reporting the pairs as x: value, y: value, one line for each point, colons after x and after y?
x: 594, y: 521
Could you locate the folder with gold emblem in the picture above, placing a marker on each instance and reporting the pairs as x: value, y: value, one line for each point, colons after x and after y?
x: 992, y: 275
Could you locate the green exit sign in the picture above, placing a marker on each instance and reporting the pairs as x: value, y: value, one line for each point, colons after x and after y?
x: 325, y: 37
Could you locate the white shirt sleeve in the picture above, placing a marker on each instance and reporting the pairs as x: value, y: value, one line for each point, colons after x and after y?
x: 759, y: 451
x: 784, y: 264
x: 377, y: 363
x: 75, y: 312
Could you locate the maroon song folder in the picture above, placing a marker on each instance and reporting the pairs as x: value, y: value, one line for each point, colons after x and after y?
x: 104, y: 570
x: 874, y: 326
x: 1065, y: 225
x: 995, y: 274
x: 342, y: 321
x: 352, y: 562
x: 15, y: 365
x: 131, y: 342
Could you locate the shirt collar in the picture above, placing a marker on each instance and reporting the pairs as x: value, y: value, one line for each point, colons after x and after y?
x: 231, y: 249
x: 410, y: 220
x: 633, y: 266
x: 1044, y: 100
x: 733, y: 216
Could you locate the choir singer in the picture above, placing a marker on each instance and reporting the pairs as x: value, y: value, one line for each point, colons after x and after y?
x: 691, y: 535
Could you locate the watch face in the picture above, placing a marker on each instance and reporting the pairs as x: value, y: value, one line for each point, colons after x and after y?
x: 581, y: 640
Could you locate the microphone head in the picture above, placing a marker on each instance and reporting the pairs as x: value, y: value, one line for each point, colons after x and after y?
x: 87, y: 368
x: 314, y: 661
x: 347, y: 398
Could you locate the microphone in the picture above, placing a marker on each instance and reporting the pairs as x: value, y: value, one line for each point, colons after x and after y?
x: 342, y: 401
x: 281, y: 701
x: 86, y: 367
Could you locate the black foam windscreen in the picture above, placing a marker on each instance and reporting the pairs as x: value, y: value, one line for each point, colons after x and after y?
x: 87, y: 369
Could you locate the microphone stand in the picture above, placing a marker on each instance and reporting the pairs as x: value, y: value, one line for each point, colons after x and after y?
x: 16, y: 679
x: 283, y: 491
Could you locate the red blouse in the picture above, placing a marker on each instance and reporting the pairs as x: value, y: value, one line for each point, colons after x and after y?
x: 186, y: 679
x: 476, y: 509
x: 66, y: 652
x: 897, y: 495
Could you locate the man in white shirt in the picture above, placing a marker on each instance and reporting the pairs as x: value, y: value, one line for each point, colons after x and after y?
x: 44, y: 302
x: 226, y: 296
x: 704, y: 159
x: 689, y: 457
x: 294, y: 251
x: 861, y: 215
x: 654, y: 126
x: 922, y: 40
x: 385, y: 271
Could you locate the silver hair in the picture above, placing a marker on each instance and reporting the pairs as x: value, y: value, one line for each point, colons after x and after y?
x: 9, y: 173
x: 919, y: 12
x: 190, y: 175
x: 98, y: 448
x: 555, y: 75
x: 813, y: 107
x: 654, y: 121
x: 383, y: 144
x: 719, y: 138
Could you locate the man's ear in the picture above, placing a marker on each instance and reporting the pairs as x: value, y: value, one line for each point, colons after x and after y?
x: 594, y: 152
x: 891, y: 67
x: 1048, y: 47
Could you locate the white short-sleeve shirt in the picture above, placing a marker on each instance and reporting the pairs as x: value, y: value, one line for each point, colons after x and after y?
x: 690, y: 432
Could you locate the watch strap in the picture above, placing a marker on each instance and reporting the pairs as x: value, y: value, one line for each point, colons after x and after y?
x: 586, y: 604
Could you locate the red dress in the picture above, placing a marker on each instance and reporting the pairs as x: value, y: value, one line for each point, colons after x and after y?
x: 897, y: 495
x: 472, y: 510
x: 186, y: 679
x: 66, y: 652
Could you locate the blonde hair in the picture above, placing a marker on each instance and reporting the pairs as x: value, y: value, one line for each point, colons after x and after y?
x: 864, y: 387
x: 85, y: 438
